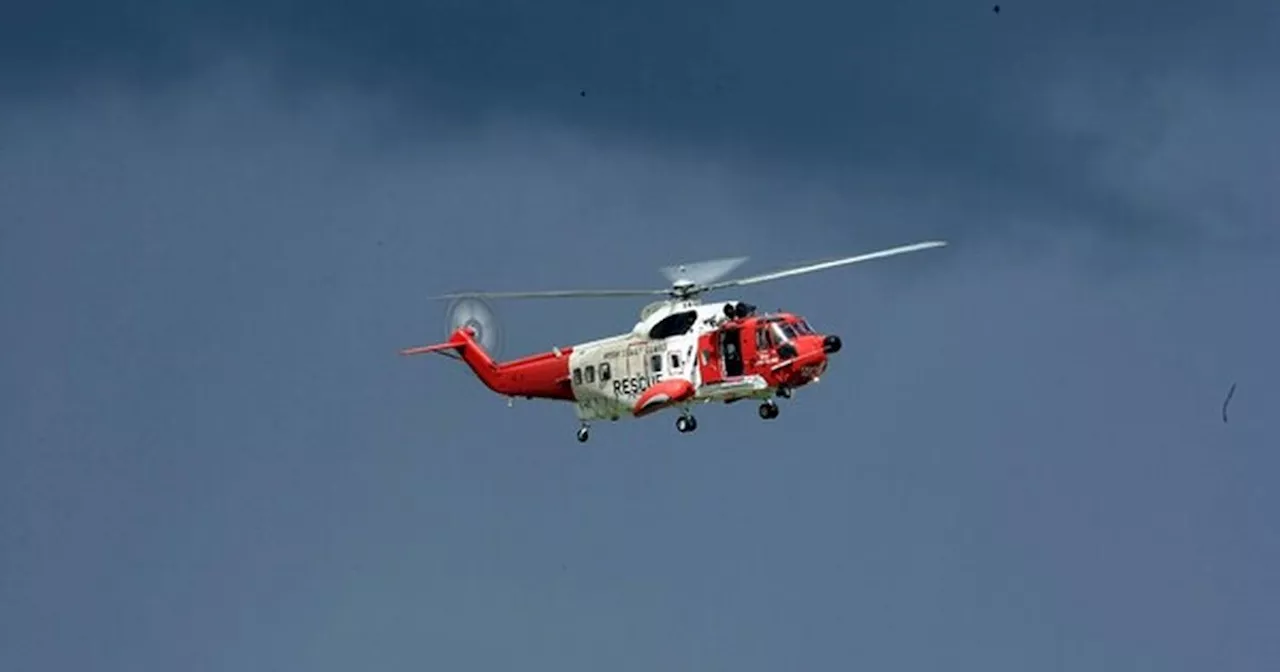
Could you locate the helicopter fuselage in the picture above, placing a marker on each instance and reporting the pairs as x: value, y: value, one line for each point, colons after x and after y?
x: 689, y: 354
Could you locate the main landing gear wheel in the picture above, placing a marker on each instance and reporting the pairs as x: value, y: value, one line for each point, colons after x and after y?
x: 768, y: 410
x: 686, y: 424
x: 583, y: 434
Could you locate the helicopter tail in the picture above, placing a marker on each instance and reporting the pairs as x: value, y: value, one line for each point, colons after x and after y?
x: 543, y: 376
x: 462, y: 345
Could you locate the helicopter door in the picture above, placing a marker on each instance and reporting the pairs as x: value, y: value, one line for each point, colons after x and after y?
x: 731, y: 351
x: 709, y: 359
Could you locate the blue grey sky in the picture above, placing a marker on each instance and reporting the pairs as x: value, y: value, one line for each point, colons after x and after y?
x: 218, y: 225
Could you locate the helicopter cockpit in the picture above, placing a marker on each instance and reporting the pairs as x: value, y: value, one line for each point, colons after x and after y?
x: 778, y: 334
x: 780, y: 330
x: 746, y: 341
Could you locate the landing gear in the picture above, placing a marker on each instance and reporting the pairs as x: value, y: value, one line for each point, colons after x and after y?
x: 784, y: 392
x: 583, y: 434
x: 686, y: 424
x: 768, y: 410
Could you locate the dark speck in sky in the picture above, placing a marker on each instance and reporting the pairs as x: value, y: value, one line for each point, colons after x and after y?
x: 1230, y: 393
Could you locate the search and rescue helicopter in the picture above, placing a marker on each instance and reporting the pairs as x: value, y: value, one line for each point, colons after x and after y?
x: 682, y: 352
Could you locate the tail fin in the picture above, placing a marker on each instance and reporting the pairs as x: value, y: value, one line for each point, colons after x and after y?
x: 462, y: 344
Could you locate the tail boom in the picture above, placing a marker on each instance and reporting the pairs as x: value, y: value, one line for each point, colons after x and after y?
x: 541, y: 376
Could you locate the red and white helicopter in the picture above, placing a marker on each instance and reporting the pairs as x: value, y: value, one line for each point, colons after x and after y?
x: 682, y: 352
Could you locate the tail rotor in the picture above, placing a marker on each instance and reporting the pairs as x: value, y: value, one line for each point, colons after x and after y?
x: 479, y: 316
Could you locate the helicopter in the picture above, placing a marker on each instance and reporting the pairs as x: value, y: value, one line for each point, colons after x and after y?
x: 681, y: 353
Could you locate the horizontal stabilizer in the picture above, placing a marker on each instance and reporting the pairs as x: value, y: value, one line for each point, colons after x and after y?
x: 439, y: 347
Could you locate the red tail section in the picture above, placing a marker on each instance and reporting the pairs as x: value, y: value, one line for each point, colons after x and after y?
x: 542, y: 376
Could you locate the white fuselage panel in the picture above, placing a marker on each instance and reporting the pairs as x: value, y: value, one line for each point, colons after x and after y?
x: 609, y: 375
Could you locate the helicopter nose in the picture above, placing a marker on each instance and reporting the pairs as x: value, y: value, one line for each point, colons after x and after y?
x: 831, y: 344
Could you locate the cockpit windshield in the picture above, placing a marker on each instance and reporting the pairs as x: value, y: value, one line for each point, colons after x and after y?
x: 782, y: 332
x: 803, y: 328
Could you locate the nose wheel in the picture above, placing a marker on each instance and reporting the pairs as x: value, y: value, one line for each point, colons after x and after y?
x: 583, y: 434
x: 686, y: 424
x: 768, y: 410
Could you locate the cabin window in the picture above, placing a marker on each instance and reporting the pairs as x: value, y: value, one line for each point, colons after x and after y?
x: 577, y: 376
x: 675, y: 361
x: 605, y: 373
x: 655, y: 363
x: 591, y: 374
x: 675, y: 324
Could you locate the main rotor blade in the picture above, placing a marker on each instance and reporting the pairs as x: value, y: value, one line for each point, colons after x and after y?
x: 822, y: 266
x: 564, y: 294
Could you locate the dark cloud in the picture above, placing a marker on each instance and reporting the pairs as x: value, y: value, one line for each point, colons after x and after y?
x: 948, y: 94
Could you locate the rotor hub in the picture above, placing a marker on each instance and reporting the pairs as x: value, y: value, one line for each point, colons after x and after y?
x: 683, y: 287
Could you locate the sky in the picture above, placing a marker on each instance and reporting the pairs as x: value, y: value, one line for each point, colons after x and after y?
x: 218, y: 224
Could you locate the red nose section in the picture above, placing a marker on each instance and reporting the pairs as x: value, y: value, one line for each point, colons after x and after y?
x: 661, y: 395
x: 809, y: 363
